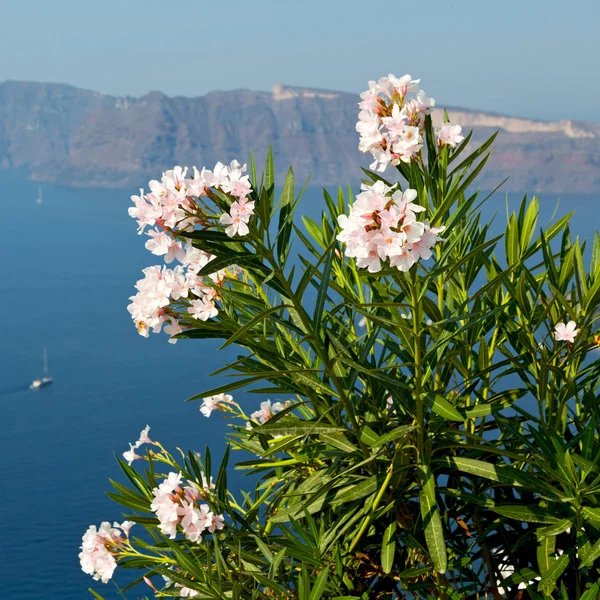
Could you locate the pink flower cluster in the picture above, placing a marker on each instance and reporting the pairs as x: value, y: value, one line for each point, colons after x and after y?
x: 177, y: 505
x: 151, y: 307
x: 171, y: 203
x: 99, y: 547
x: 382, y: 225
x: 176, y: 204
x: 390, y: 123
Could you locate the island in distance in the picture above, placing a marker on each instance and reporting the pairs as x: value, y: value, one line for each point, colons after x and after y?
x: 62, y: 134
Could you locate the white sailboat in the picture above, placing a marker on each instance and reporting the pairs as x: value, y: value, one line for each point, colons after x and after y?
x: 39, y: 198
x: 45, y: 380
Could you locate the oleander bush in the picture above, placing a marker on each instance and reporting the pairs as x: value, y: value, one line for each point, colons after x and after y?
x: 429, y: 419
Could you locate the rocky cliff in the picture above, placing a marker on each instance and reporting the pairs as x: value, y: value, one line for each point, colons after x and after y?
x: 58, y: 133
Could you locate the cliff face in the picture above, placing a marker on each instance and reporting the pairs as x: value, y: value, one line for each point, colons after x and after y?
x: 59, y: 133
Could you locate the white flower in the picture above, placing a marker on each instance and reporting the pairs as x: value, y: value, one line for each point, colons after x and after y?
x: 186, y: 592
x: 565, y: 332
x: 143, y: 439
x: 449, y: 135
x: 125, y: 526
x: 130, y: 455
x: 203, y: 309
x: 172, y: 329
x: 389, y: 405
x: 211, y: 403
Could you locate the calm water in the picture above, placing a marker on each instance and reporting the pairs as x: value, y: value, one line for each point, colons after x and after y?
x: 68, y: 268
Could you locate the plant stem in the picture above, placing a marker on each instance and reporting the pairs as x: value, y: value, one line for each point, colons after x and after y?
x: 416, y: 310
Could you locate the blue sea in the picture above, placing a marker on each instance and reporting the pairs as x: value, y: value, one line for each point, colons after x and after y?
x: 68, y: 268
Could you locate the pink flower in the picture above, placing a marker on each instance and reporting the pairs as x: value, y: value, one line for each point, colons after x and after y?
x: 236, y: 223
x: 565, y: 332
x: 203, y: 309
x: 217, y: 522
x: 449, y: 135
x: 98, y: 549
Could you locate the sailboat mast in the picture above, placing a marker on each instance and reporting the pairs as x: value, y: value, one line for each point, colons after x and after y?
x: 45, y: 362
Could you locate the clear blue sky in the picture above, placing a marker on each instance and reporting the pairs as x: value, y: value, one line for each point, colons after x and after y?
x: 535, y: 58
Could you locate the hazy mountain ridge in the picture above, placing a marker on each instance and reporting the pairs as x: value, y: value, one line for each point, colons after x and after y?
x: 59, y: 133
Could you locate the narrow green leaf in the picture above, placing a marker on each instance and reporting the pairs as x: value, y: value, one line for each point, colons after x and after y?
x: 555, y: 529
x: 320, y: 584
x: 339, y: 441
x: 591, y: 514
x: 285, y: 216
x: 293, y: 426
x: 324, y: 287
x: 248, y: 326
x: 592, y: 593
x: 388, y: 547
x: 591, y: 555
x: 440, y: 406
x: 269, y: 170
x: 369, y: 437
x: 545, y: 554
x: 432, y: 522
x: 363, y: 488
x: 528, y: 514
x: 395, y: 435
x: 548, y: 581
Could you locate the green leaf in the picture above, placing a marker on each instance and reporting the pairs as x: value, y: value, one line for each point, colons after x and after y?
x: 528, y: 514
x: 293, y: 426
x: 364, y: 487
x: 285, y: 216
x: 591, y: 514
x: 432, y: 522
x: 440, y: 406
x: 388, y: 547
x: 591, y: 555
x: 555, y: 529
x: 369, y: 437
x: 261, y: 317
x: 545, y: 554
x: 232, y: 258
x: 269, y: 170
x: 339, y: 441
x: 474, y: 155
x: 323, y: 289
x: 319, y: 586
x: 494, y: 472
x: 592, y: 593
x: 548, y: 581
x: 395, y: 434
